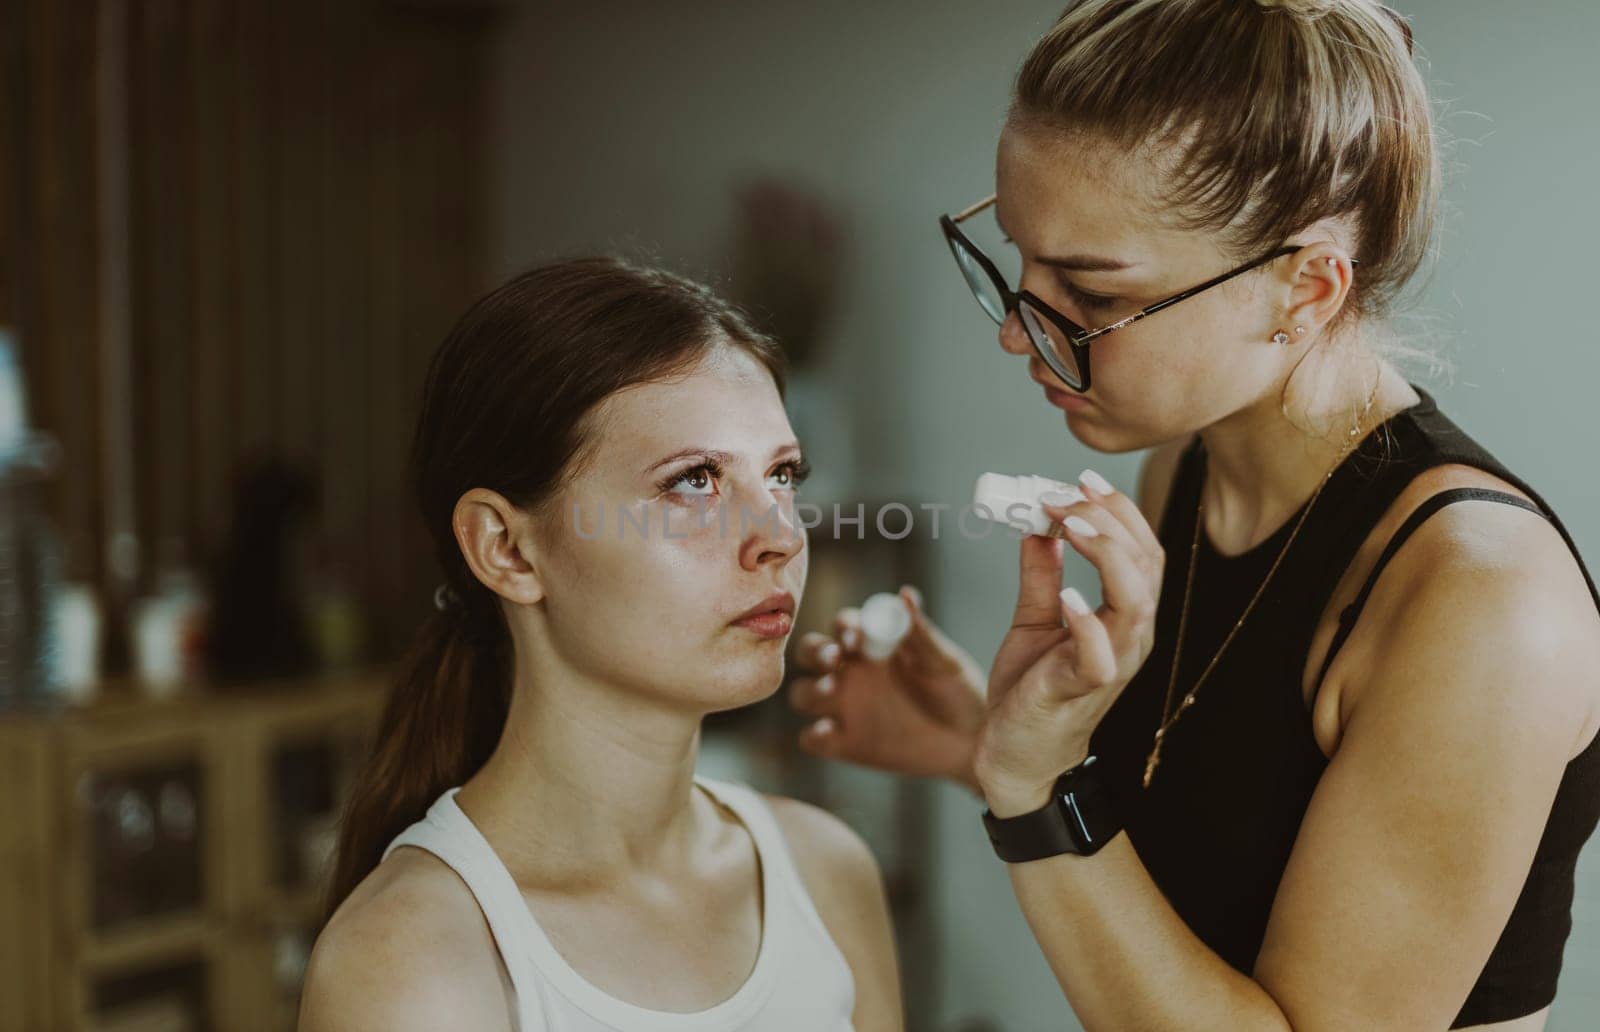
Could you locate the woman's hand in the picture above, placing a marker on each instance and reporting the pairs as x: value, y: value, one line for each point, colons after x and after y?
x: 1061, y: 666
x: 917, y: 712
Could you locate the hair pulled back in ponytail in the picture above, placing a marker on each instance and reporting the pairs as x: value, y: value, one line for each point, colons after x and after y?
x: 1302, y: 8
x: 505, y: 406
x: 1313, y: 9
x: 1270, y: 115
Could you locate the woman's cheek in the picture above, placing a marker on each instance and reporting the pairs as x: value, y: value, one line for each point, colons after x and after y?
x: 686, y: 517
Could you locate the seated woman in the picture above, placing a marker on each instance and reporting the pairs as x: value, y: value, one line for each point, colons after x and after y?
x: 603, y: 461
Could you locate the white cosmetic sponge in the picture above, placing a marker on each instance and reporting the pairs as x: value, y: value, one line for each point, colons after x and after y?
x: 1014, y: 501
x: 884, y: 622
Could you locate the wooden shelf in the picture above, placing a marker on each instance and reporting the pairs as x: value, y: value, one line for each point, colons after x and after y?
x: 56, y: 770
x: 149, y: 941
x: 122, y: 705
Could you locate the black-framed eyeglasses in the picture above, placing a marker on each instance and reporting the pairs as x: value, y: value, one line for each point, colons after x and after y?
x: 1060, y: 342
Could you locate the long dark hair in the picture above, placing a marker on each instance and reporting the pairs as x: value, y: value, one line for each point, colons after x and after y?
x: 504, y: 407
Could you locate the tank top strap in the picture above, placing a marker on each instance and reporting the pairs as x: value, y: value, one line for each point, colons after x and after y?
x: 780, y: 873
x: 1350, y: 613
x: 450, y: 835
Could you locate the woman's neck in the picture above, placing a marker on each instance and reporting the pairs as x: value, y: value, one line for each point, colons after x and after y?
x: 589, y: 786
x: 1261, y: 467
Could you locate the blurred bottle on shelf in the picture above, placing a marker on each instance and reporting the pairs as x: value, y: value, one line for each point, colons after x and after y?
x: 72, y: 648
x: 169, y: 626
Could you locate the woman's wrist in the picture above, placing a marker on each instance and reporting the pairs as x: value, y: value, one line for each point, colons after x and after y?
x: 1009, y: 796
x: 1012, y: 800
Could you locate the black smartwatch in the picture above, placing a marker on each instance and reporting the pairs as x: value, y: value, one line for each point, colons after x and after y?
x: 1079, y: 818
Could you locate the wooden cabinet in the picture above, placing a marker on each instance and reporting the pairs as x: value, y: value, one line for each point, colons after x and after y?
x: 161, y: 863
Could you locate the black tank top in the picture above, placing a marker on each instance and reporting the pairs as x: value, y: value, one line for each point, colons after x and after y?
x: 1220, y: 817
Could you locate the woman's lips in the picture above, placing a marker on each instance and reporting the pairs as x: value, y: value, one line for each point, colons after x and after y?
x: 773, y: 617
x: 775, y: 624
x: 1072, y: 401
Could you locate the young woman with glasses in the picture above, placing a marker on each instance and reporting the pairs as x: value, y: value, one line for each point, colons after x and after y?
x: 1326, y: 755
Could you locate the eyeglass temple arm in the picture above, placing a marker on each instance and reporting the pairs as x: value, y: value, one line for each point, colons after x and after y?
x: 969, y: 212
x: 1192, y: 291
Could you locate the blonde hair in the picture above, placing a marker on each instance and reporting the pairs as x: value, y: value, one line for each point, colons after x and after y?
x: 1269, y: 115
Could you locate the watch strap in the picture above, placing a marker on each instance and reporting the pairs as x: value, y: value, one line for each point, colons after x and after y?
x: 1079, y: 818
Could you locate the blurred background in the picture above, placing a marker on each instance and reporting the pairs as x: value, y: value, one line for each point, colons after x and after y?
x: 232, y: 231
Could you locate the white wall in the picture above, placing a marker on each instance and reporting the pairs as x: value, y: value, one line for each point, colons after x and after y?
x: 624, y: 124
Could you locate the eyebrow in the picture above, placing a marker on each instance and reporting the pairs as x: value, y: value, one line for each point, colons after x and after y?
x: 1085, y: 263
x: 721, y: 458
x: 1073, y: 262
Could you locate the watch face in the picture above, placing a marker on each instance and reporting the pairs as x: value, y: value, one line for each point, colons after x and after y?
x: 1075, y: 822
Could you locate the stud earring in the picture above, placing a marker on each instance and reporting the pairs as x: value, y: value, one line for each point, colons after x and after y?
x: 1299, y: 329
x: 1280, y: 338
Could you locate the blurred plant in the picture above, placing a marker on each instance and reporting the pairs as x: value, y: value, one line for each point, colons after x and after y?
x: 786, y: 258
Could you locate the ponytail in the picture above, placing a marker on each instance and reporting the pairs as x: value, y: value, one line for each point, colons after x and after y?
x: 442, y: 720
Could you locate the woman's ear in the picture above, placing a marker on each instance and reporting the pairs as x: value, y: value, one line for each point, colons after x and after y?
x: 1317, y: 278
x: 496, y: 539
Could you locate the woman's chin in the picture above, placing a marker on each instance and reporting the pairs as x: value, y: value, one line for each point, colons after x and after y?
x: 744, y: 680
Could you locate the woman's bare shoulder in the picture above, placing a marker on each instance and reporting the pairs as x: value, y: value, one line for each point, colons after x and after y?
x: 409, y: 949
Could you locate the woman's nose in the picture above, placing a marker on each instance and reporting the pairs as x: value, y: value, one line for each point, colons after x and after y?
x: 1013, y: 338
x: 773, y: 535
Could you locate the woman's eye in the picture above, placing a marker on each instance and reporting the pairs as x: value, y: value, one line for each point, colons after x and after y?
x: 1090, y: 302
x: 701, y: 480
x: 791, y: 475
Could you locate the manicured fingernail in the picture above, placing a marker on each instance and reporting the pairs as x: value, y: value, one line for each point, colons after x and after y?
x: 1074, y: 601
x: 1061, y: 498
x: 829, y: 653
x: 1095, y: 482
x: 824, y: 685
x: 823, y: 726
x: 851, y: 638
x: 1079, y: 525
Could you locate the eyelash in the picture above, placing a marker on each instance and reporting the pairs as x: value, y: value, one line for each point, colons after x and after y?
x: 799, y: 470
x: 1085, y: 300
x: 1082, y: 298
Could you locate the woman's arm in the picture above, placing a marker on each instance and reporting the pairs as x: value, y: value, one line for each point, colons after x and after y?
x: 844, y: 882
x: 1420, y: 834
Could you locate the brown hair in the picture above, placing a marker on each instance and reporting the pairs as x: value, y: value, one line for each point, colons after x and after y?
x: 1270, y: 115
x: 507, y: 405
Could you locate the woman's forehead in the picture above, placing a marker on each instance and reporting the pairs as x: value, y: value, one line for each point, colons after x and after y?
x: 1054, y: 178
x: 1059, y: 192
x: 727, y: 396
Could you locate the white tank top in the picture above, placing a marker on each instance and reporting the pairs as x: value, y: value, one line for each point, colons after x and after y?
x: 800, y: 983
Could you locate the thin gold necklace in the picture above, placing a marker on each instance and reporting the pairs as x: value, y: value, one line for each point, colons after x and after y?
x: 1183, y: 618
